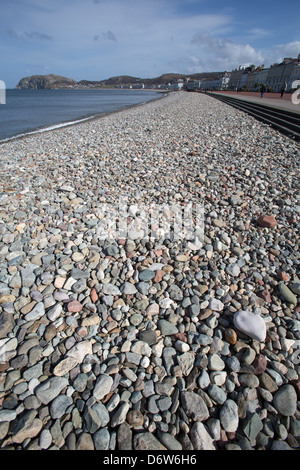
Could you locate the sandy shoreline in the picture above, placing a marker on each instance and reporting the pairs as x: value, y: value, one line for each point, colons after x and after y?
x: 140, y: 344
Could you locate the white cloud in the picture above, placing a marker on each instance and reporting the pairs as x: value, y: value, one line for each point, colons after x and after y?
x: 258, y: 33
x: 291, y: 49
x: 279, y: 52
x: 219, y: 54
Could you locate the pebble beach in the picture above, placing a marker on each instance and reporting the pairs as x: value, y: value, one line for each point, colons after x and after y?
x: 151, y: 344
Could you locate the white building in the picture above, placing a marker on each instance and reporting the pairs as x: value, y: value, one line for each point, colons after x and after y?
x: 192, y: 85
x: 262, y: 76
x: 138, y: 86
x: 238, y: 78
x: 281, y: 73
x: 178, y: 85
x: 257, y: 78
x: 220, y: 83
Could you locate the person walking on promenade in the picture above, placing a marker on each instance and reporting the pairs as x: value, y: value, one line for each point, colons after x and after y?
x: 283, y: 89
x: 262, y: 90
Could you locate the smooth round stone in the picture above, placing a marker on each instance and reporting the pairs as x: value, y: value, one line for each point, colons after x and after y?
x: 204, y: 380
x: 169, y: 441
x: 59, y: 406
x: 102, y: 386
x: 128, y: 289
x: 215, y: 362
x: 77, y: 257
x: 141, y: 347
x: 80, y: 382
x: 217, y: 394
x: 7, y: 415
x: 141, y: 305
x: 85, y: 442
x: 4, y: 299
x: 153, y: 309
x: 64, y: 366
x: 230, y: 336
x: 285, y: 400
x: 295, y: 287
x: 233, y: 363
x: 233, y: 270
x: 136, y: 319
x: 50, y: 389
x: 36, y: 295
x: 229, y: 416
x: 216, y: 305
x: 252, y: 426
x: 194, y: 406
x: 6, y: 324
x: 219, y: 377
x: 201, y: 438
x: 147, y: 441
x: 167, y: 328
x: 249, y: 356
x: 250, y: 324
x: 130, y: 246
x: 181, y: 258
x: 148, y: 336
x: 135, y: 418
x: 45, y: 439
x: 11, y: 401
x: 181, y: 346
x: 249, y: 380
x: 112, y: 250
x: 36, y: 313
x: 287, y: 294
x: 146, y: 275
x: 280, y: 445
x: 110, y: 289
x: 101, y: 439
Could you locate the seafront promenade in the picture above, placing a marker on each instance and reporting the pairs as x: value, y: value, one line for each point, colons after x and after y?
x: 150, y: 342
x: 268, y: 99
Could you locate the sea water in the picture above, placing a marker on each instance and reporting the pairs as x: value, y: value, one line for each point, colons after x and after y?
x: 28, y: 111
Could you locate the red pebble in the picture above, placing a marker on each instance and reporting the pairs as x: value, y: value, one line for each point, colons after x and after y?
x: 265, y: 294
x: 283, y: 276
x: 159, y: 275
x: 94, y: 295
x: 267, y: 221
x: 74, y: 306
x: 181, y: 337
x: 260, y: 364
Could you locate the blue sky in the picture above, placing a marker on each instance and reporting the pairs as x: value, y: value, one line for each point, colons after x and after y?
x: 98, y: 39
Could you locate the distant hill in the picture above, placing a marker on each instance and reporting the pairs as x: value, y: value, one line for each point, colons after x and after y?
x: 174, y: 77
x: 52, y: 81
x: 162, y: 80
